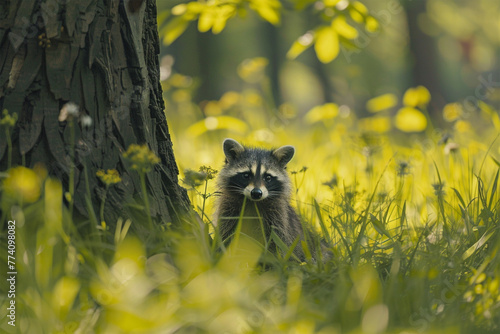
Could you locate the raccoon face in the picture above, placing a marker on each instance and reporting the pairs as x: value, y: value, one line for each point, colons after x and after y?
x: 255, y: 173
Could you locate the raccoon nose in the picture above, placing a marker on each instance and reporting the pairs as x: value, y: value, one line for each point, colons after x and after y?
x: 256, y: 193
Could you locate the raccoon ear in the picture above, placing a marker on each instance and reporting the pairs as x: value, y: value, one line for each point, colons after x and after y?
x: 232, y: 149
x: 284, y: 154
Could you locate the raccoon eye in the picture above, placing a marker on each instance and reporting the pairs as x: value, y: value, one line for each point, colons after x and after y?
x: 246, y: 175
x: 268, y: 178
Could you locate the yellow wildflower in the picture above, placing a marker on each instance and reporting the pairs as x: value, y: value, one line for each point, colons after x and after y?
x: 381, y: 102
x: 417, y: 97
x: 111, y: 176
x: 8, y: 120
x: 141, y: 158
x: 410, y: 120
x: 452, y: 111
x: 23, y: 184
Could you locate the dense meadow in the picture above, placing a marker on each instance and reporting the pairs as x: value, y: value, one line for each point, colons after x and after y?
x: 409, y: 205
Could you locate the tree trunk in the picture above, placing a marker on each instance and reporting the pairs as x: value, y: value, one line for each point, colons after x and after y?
x: 424, y: 55
x: 103, y: 56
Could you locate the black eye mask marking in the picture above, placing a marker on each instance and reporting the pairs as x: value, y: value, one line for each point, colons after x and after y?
x: 268, y: 178
x: 240, y: 180
x: 272, y: 183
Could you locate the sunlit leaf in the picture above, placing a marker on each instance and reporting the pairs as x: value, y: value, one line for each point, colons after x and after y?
x: 371, y: 24
x: 128, y: 320
x: 179, y: 9
x: 130, y: 249
x: 375, y: 124
x: 360, y: 7
x: 410, y: 120
x: 241, y: 257
x: 223, y: 14
x: 269, y: 10
x: 217, y: 123
x: 322, y: 112
x: 206, y: 19
x: 64, y: 294
x: 330, y: 3
x: 174, y: 29
x: 416, y: 97
x: 488, y: 110
x: 300, y: 45
x: 326, y: 44
x: 358, y: 12
x: 478, y: 244
x: 381, y: 102
x: 343, y: 28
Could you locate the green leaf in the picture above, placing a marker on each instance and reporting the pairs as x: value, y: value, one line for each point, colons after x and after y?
x: 493, y: 190
x: 277, y: 240
x: 378, y: 226
x: 174, y: 29
x: 495, y: 161
x: 484, y: 238
x: 289, y: 253
x: 459, y: 197
x: 325, y: 231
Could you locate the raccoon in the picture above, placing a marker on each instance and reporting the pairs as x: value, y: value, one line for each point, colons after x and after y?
x: 258, y: 178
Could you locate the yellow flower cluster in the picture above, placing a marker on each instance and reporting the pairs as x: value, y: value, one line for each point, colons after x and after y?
x: 111, y: 176
x: 7, y: 119
x: 141, y: 158
x: 208, y: 171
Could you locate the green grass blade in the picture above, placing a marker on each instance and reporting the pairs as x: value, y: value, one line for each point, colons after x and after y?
x: 284, y: 248
x: 344, y: 241
x: 402, y: 222
x: 493, y: 190
x: 379, y: 227
x: 459, y: 197
x: 326, y: 234
x: 478, y: 244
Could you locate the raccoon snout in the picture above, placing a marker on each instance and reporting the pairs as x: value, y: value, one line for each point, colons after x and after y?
x: 256, y: 193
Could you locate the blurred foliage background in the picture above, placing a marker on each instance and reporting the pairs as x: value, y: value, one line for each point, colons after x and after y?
x: 393, y: 107
x: 443, y: 45
x: 407, y: 72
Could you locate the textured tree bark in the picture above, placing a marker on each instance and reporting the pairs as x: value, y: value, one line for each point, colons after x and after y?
x: 103, y: 56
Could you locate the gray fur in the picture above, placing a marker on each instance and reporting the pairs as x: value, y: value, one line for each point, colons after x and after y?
x: 276, y: 212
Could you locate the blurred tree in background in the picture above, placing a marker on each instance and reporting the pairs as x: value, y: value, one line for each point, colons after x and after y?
x: 446, y: 46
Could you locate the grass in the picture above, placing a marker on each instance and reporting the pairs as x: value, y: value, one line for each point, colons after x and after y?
x: 412, y: 223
